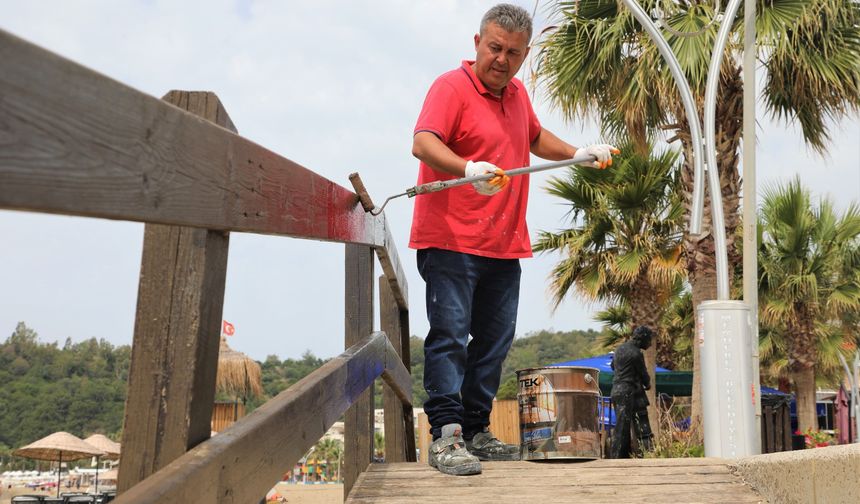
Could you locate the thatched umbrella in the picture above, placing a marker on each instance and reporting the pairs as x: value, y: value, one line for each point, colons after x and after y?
x: 238, y: 374
x: 105, y: 444
x: 58, y: 446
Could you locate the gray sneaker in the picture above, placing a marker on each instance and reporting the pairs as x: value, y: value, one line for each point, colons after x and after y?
x: 448, y: 453
x: 486, y: 446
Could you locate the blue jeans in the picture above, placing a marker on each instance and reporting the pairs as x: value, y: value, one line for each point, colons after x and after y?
x: 466, y: 294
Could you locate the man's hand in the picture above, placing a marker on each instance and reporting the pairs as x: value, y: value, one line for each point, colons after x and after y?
x: 603, y: 153
x: 487, y: 187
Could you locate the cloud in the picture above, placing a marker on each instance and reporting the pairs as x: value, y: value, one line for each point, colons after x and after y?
x: 333, y: 85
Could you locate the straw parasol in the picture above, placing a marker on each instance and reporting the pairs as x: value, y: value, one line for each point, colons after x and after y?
x: 105, y: 444
x: 58, y: 446
x: 238, y: 374
x: 110, y: 475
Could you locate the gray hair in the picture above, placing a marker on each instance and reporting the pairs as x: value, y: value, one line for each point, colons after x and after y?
x: 510, y: 17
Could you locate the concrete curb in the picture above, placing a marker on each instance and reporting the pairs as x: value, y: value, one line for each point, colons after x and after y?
x: 822, y: 475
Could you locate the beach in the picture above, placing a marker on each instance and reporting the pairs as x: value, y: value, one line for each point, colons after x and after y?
x: 331, y: 493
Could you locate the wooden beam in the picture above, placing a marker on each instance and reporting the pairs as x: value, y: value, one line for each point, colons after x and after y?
x: 390, y: 262
x: 246, y: 460
x: 406, y: 358
x: 395, y: 427
x: 358, y: 305
x: 176, y: 336
x: 78, y: 143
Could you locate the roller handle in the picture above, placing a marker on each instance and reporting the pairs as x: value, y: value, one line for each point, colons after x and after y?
x: 361, y: 191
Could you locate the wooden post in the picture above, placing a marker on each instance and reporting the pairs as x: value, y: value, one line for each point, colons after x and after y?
x: 358, y: 307
x: 424, y: 438
x: 171, y: 386
x: 396, y: 431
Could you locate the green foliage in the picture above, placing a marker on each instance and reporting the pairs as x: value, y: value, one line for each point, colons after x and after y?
x: 416, y: 349
x: 79, y: 388
x: 278, y: 375
x: 625, y: 228
x: 597, y: 62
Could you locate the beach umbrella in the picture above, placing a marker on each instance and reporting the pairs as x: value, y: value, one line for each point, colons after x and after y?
x: 105, y: 444
x: 110, y: 475
x: 59, y: 446
x: 238, y: 375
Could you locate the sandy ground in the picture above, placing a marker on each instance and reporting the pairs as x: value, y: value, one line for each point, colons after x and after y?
x: 294, y: 494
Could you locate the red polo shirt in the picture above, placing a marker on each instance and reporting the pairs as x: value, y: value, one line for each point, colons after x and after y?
x: 477, y: 126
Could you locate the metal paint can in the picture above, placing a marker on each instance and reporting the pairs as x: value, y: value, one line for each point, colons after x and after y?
x: 559, y: 414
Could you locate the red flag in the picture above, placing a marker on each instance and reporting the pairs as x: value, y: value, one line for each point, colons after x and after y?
x: 227, y: 328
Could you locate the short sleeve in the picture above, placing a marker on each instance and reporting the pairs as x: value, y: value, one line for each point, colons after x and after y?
x: 440, y: 114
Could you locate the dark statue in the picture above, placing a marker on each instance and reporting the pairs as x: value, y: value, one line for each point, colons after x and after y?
x: 629, y: 384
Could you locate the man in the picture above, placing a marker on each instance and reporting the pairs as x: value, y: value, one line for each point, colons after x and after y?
x: 629, y: 384
x: 476, y: 119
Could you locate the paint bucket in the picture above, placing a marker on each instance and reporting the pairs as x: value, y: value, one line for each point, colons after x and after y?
x: 559, y: 415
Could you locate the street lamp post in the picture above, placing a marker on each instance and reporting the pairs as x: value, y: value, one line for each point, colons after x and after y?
x: 723, y: 327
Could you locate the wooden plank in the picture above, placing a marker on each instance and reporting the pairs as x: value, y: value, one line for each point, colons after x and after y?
x: 559, y: 468
x: 672, y: 481
x: 639, y: 464
x: 358, y: 307
x: 505, y: 421
x: 424, y: 438
x: 392, y: 268
x: 395, y: 428
x: 406, y: 358
x: 176, y: 337
x: 243, y: 462
x: 78, y: 143
x: 547, y: 479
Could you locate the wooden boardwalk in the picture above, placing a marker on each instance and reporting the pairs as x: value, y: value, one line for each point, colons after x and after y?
x: 673, y: 481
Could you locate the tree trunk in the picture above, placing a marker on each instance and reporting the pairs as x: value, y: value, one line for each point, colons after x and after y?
x: 699, y: 250
x: 804, y: 385
x: 802, y: 356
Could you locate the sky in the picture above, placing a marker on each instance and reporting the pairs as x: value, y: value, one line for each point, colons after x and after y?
x: 334, y: 86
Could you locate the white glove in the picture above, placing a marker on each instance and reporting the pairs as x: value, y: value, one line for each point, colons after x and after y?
x: 487, y: 187
x: 603, y: 153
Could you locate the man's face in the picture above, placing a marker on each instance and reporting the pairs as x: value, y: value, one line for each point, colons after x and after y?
x: 499, y: 56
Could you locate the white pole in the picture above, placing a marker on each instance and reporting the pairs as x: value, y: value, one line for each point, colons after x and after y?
x: 698, y: 203
x: 750, y: 261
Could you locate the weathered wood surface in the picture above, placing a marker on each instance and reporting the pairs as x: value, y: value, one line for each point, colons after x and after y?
x: 672, y: 481
x: 358, y: 307
x: 395, y: 426
x: 176, y: 333
x: 242, y: 463
x: 75, y: 142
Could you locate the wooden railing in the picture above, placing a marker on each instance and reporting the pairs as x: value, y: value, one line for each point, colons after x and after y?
x: 75, y: 142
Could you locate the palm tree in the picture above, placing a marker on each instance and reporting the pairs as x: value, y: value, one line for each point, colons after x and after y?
x: 329, y: 451
x: 625, y: 237
x: 804, y: 283
x: 599, y: 63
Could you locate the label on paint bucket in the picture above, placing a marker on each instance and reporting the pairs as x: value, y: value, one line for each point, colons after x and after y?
x: 563, y: 439
x: 531, y: 436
